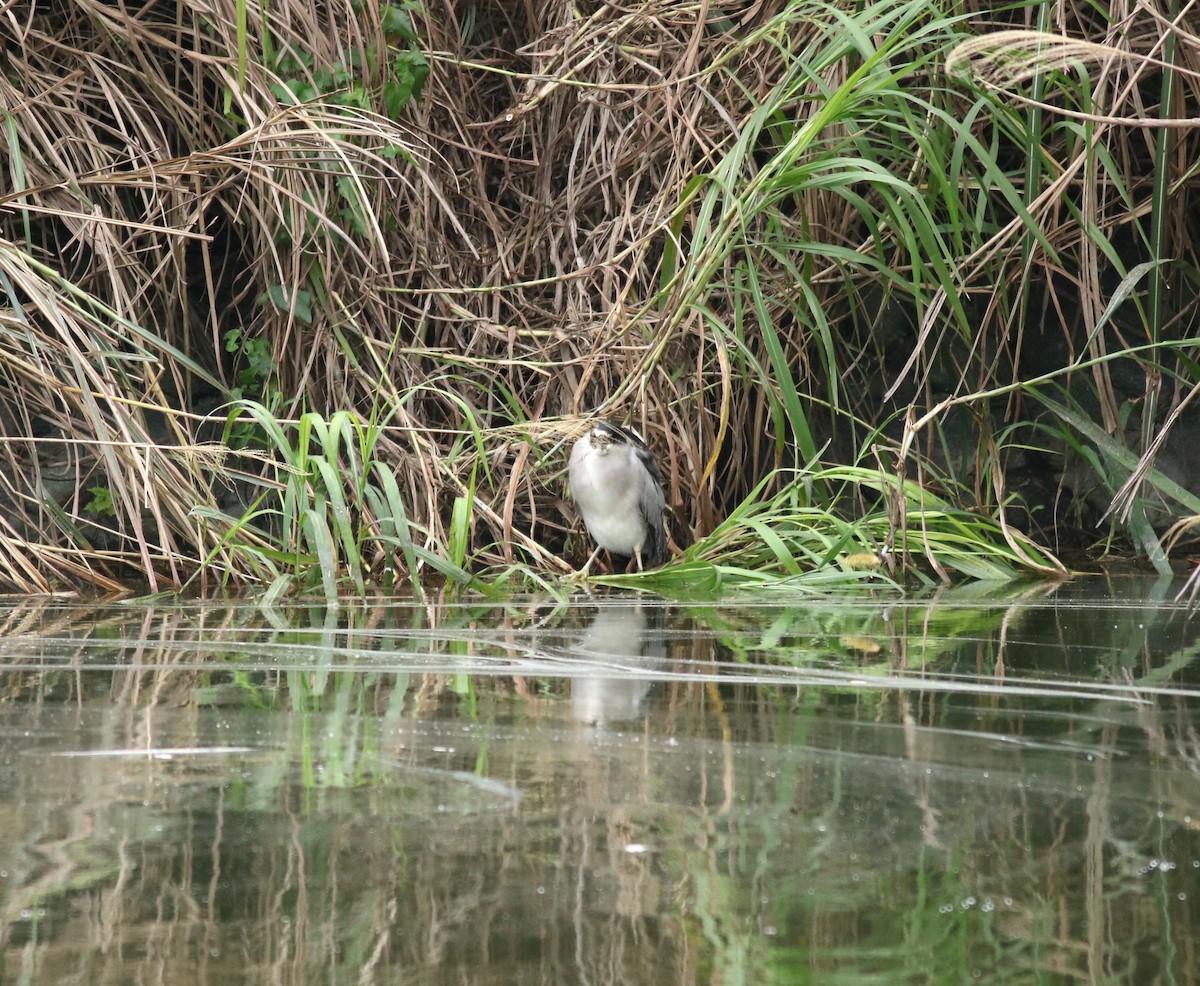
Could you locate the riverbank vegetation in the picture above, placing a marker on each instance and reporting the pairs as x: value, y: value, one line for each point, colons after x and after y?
x: 314, y: 295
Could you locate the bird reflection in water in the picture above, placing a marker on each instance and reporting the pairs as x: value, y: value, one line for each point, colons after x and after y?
x: 624, y: 645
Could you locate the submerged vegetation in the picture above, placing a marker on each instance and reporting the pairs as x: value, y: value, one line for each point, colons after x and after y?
x: 311, y: 295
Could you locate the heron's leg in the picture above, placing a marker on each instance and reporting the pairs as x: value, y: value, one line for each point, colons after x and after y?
x: 583, y: 572
x: 637, y: 553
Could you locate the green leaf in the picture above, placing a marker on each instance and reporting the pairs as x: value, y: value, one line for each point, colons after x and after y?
x: 297, y: 302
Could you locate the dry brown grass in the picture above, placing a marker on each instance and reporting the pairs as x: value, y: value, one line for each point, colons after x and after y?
x: 518, y: 249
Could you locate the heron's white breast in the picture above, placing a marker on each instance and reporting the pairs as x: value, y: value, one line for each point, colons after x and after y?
x: 605, y: 485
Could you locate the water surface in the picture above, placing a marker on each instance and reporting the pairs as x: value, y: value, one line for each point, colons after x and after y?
x: 993, y: 785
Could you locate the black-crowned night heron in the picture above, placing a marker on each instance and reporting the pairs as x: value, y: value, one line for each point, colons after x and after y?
x: 617, y: 486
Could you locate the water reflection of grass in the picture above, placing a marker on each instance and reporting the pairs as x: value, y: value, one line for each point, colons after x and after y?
x: 777, y: 804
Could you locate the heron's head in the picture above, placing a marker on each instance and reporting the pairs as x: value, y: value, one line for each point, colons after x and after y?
x: 605, y: 436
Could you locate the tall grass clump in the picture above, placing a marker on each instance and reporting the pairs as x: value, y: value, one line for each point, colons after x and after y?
x: 946, y: 246
x: 329, y: 516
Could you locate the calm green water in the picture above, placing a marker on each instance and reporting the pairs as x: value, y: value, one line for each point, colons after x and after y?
x: 996, y: 785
